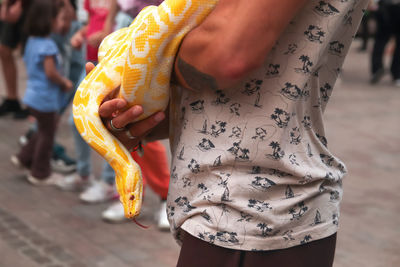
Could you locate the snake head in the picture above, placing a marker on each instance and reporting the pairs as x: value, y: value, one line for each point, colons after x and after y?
x: 132, y: 204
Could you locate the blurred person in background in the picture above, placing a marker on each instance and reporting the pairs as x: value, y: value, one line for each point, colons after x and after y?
x: 45, y: 90
x: 253, y: 182
x: 388, y: 26
x: 12, y: 16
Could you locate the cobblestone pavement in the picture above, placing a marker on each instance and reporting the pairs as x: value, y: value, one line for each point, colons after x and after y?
x: 48, y: 227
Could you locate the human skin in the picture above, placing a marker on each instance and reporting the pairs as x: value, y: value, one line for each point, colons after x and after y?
x: 217, y: 54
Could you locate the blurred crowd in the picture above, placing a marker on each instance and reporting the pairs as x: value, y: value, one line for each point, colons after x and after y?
x: 56, y: 38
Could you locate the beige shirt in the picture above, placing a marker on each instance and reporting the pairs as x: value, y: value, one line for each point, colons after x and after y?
x: 251, y: 168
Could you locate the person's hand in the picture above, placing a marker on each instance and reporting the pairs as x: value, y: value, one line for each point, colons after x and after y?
x: 115, y: 109
x: 67, y: 85
x: 96, y: 38
x: 77, y: 40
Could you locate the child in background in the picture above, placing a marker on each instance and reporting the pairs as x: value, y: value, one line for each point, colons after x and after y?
x: 44, y: 92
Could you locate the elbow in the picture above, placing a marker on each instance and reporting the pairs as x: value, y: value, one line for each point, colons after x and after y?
x: 236, y: 69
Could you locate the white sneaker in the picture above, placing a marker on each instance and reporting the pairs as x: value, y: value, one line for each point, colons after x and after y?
x: 163, y: 223
x: 53, y: 179
x: 74, y: 182
x: 16, y: 162
x: 98, y: 191
x: 114, y: 213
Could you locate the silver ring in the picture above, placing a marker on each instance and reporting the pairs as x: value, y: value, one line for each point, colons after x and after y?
x: 129, y: 135
x: 115, y: 129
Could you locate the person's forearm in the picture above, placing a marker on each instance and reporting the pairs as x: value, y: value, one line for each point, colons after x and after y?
x: 110, y: 21
x: 51, y: 72
x: 232, y: 41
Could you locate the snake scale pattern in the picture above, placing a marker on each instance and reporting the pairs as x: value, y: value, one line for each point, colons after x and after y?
x: 140, y: 60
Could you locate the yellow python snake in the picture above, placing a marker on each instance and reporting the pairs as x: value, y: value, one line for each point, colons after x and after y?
x: 140, y: 59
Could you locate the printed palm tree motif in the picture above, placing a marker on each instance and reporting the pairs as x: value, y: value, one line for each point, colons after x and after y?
x: 221, y: 98
x: 227, y: 237
x: 194, y: 166
x: 336, y: 48
x: 291, y: 91
x: 335, y: 195
x: 298, y: 211
x: 348, y: 19
x: 187, y: 182
x: 184, y: 203
x: 203, y: 189
x: 252, y: 87
x: 292, y: 48
x: 293, y: 159
x: 206, y: 216
x: 309, y: 151
x: 234, y: 108
x: 326, y: 9
x: 314, y: 34
x: 257, y: 101
x: 217, y: 161
x: 170, y: 211
x: 322, y: 139
x: 306, y: 178
x: 272, y: 70
x: 207, y: 236
x: 326, y: 159
x: 289, y: 192
x: 245, y: 217
x: 335, y: 219
x: 197, y: 107
x: 204, y: 128
x: 287, y: 235
x: 295, y: 136
x: 260, y: 133
x: 174, y: 174
x: 218, y: 128
x: 307, y: 64
x: 306, y: 239
x: 241, y: 154
x: 262, y: 183
x: 281, y: 117
x: 181, y: 153
x: 265, y: 230
x: 259, y: 205
x: 342, y: 168
x: 277, y: 152
x: 255, y: 170
x: 279, y: 173
x: 205, y: 145
x: 236, y: 132
x: 326, y: 91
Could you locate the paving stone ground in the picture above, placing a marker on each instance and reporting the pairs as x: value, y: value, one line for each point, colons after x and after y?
x: 47, y: 227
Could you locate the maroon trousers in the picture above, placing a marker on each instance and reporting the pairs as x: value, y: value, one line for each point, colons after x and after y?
x: 36, y: 154
x: 198, y: 253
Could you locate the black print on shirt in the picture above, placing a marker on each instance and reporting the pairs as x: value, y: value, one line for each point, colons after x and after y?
x: 252, y: 87
x: 281, y: 117
x: 245, y: 217
x: 259, y: 205
x: 221, y: 98
x: 194, y: 166
x: 272, y: 71
x: 241, y: 154
x: 262, y: 183
x: 184, y: 203
x: 326, y: 9
x: 234, y: 108
x: 261, y: 133
x: 289, y: 192
x: 236, y: 132
x: 298, y: 211
x: 306, y: 239
x: 277, y: 152
x: 265, y: 230
x: 314, y: 34
x: 295, y: 136
x: 326, y: 159
x: 322, y: 139
x: 205, y: 145
x: 291, y: 91
x: 326, y: 91
x: 218, y: 128
x: 197, y: 107
x: 306, y: 65
x: 292, y: 48
x: 336, y: 48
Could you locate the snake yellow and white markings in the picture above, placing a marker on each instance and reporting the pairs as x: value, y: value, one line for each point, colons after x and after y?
x: 140, y: 59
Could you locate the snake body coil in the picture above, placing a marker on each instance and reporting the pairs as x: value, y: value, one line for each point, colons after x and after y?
x: 139, y: 59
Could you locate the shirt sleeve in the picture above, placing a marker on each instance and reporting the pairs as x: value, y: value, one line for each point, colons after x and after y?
x: 47, y: 48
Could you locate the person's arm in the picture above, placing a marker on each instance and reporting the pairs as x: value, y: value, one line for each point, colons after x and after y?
x: 96, y: 38
x: 232, y: 41
x: 53, y: 75
x: 79, y: 38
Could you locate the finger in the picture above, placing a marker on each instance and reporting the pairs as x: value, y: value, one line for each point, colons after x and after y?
x: 88, y: 67
x: 128, y: 116
x: 142, y: 128
x: 108, y: 108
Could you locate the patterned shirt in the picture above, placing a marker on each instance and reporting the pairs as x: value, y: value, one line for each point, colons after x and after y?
x: 251, y: 168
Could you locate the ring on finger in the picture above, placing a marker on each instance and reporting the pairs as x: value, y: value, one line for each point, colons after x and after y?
x: 115, y: 129
x: 129, y: 135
